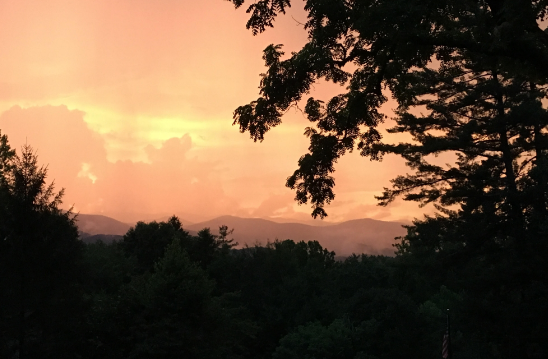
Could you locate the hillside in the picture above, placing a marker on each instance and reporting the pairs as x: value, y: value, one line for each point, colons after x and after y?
x: 356, y: 236
x: 93, y: 224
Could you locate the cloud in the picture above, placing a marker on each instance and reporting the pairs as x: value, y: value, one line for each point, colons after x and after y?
x: 169, y: 182
x: 138, y: 57
x: 275, y: 205
x: 86, y: 173
x: 173, y: 151
x: 142, y: 71
x: 60, y: 136
x: 130, y: 102
x: 76, y: 159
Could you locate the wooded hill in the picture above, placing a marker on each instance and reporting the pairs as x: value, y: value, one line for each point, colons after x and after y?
x: 367, y: 236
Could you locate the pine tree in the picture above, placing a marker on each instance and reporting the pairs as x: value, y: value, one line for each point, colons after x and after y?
x: 385, y: 42
x: 39, y: 260
x: 470, y: 79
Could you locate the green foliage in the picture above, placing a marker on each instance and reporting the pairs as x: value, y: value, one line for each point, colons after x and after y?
x: 316, y: 341
x: 389, y: 321
x: 281, y: 285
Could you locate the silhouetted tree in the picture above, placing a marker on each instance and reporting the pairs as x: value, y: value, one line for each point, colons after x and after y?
x: 207, y: 246
x: 470, y: 80
x: 6, y: 156
x: 169, y: 312
x: 146, y: 242
x: 445, y: 49
x: 40, y: 300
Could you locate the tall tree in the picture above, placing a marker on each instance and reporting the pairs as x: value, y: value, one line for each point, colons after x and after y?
x: 370, y: 46
x: 6, y: 155
x: 470, y: 79
x: 39, y: 260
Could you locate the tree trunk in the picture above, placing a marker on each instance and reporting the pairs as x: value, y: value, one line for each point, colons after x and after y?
x: 508, y: 160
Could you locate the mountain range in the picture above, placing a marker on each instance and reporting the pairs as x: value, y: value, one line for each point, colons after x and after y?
x: 358, y: 236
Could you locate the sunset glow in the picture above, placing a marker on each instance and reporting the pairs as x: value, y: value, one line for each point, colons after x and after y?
x: 130, y: 103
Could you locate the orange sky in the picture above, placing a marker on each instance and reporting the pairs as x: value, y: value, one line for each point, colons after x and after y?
x: 130, y: 103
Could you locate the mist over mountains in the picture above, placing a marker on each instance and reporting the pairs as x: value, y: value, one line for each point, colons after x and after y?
x: 356, y: 236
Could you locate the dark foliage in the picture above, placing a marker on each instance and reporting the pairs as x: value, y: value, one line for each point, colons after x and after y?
x: 470, y: 79
x: 41, y: 301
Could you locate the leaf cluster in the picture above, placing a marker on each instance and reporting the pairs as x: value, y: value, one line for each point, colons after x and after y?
x: 401, y: 47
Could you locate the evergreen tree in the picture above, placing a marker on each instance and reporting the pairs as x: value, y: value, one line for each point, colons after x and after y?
x: 386, y: 42
x: 39, y: 261
x: 470, y: 79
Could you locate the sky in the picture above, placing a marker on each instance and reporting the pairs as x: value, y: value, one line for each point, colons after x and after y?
x: 129, y: 103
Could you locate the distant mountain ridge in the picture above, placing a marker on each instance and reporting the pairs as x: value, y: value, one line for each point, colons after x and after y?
x: 93, y: 224
x: 310, y: 222
x: 355, y: 236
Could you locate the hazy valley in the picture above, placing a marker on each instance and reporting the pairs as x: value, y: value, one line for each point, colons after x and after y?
x: 358, y: 236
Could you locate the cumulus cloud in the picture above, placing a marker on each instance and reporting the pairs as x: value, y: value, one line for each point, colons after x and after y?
x: 86, y: 173
x: 60, y: 136
x: 76, y: 158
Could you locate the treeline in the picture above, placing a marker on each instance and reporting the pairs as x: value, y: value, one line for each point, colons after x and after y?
x: 183, y: 296
x: 163, y: 293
